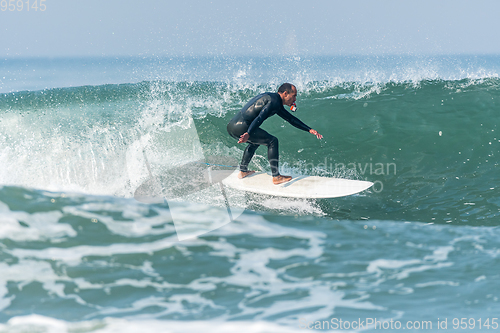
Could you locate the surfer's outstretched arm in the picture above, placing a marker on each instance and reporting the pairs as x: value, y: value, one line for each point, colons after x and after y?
x: 319, y: 136
x: 296, y: 122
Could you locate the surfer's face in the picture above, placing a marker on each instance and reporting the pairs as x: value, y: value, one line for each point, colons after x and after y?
x: 289, y: 98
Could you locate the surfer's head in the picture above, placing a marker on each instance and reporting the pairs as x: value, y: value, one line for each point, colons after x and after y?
x: 288, y: 93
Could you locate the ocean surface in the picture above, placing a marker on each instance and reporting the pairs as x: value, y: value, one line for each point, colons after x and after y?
x: 80, y: 252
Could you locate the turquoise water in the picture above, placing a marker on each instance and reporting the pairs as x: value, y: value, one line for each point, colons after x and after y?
x: 79, y: 136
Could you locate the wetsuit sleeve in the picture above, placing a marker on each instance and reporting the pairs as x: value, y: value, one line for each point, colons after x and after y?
x: 263, y: 115
x: 294, y: 121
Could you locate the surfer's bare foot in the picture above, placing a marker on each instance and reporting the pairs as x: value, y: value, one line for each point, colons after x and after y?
x: 281, y: 179
x: 243, y: 174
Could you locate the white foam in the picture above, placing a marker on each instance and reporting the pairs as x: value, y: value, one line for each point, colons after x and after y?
x: 134, y: 223
x: 258, y: 226
x: 39, y: 226
x: 250, y: 269
x: 405, y: 273
x: 291, y: 206
x: 27, y: 271
x: 440, y: 254
x: 402, y: 269
x: 73, y: 256
x: 378, y: 265
x: 37, y: 323
x: 437, y: 283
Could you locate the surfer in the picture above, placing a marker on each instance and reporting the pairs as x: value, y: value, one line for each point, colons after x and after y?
x: 245, y: 127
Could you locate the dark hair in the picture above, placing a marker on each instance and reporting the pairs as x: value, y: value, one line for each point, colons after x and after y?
x: 286, y: 87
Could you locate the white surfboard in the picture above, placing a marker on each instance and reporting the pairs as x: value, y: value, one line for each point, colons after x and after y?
x: 313, y: 187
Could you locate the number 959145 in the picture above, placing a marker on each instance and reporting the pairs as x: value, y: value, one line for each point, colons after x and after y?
x: 20, y: 5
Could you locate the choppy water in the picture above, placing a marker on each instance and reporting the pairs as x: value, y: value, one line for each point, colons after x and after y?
x: 78, y: 252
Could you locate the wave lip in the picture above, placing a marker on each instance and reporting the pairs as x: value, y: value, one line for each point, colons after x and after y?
x: 244, y: 72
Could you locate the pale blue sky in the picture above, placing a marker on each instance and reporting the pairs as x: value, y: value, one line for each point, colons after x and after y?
x: 195, y: 27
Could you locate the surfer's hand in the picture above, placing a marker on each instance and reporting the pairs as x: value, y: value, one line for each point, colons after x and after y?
x: 319, y: 136
x: 244, y: 137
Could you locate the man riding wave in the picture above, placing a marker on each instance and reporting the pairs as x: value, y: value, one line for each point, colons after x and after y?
x: 245, y: 127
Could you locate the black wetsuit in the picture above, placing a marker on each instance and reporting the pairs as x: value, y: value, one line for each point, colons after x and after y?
x: 249, y: 120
